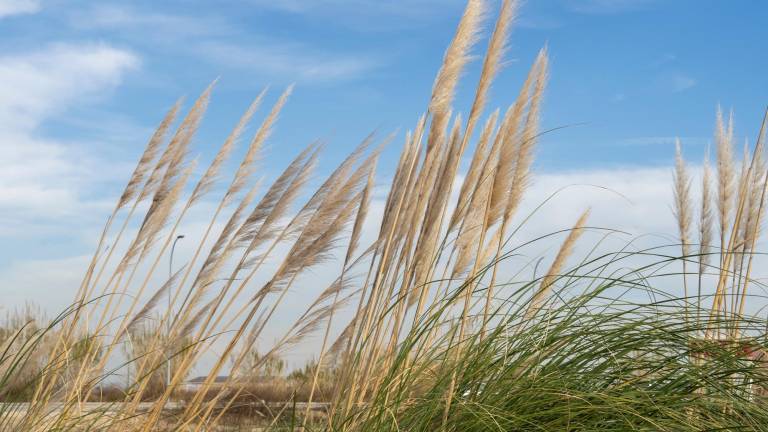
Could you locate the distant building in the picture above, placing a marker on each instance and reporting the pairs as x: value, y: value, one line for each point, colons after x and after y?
x: 195, y: 383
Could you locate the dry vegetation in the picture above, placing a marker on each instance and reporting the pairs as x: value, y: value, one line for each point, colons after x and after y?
x: 438, y: 339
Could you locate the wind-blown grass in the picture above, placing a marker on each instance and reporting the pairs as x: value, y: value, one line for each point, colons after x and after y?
x: 451, y: 329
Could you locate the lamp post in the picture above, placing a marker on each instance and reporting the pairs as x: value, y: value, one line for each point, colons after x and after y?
x: 128, y: 363
x: 168, y: 325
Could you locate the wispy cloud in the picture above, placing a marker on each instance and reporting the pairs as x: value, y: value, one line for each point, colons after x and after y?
x: 147, y: 23
x: 367, y: 16
x: 538, y: 22
x: 288, y: 61
x: 400, y: 8
x: 607, y: 6
x: 662, y: 141
x: 664, y: 59
x: 224, y: 43
x: 681, y: 82
x: 18, y: 7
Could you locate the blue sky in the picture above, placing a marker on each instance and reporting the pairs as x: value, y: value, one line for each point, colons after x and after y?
x: 83, y: 84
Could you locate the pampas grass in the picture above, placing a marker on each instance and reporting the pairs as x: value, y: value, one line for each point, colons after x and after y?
x: 445, y: 327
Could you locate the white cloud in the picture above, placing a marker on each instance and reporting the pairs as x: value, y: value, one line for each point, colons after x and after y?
x: 637, y: 202
x: 42, y: 83
x: 18, y: 7
x: 634, y: 199
x: 43, y: 178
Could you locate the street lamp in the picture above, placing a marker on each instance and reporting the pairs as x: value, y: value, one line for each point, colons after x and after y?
x: 168, y: 325
x: 170, y: 262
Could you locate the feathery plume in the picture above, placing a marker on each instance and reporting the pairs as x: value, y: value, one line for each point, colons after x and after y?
x: 143, y: 314
x: 683, y: 211
x: 333, y: 190
x: 466, y: 243
x: 469, y: 234
x: 158, y: 219
x: 496, y: 48
x: 155, y: 220
x: 362, y: 212
x: 303, y: 255
x: 725, y: 174
x: 473, y: 173
x: 245, y: 169
x: 222, y: 248
x: 518, y: 142
x: 443, y: 91
x: 706, y: 220
x: 174, y: 152
x: 557, y: 265
x: 334, y: 352
x: 490, y: 248
x: 432, y: 222
x: 150, y: 152
x: 456, y: 57
x: 754, y: 212
x: 521, y: 176
x: 682, y: 188
x: 196, y: 318
x: 207, y: 180
x: 310, y: 324
x: 276, y: 201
